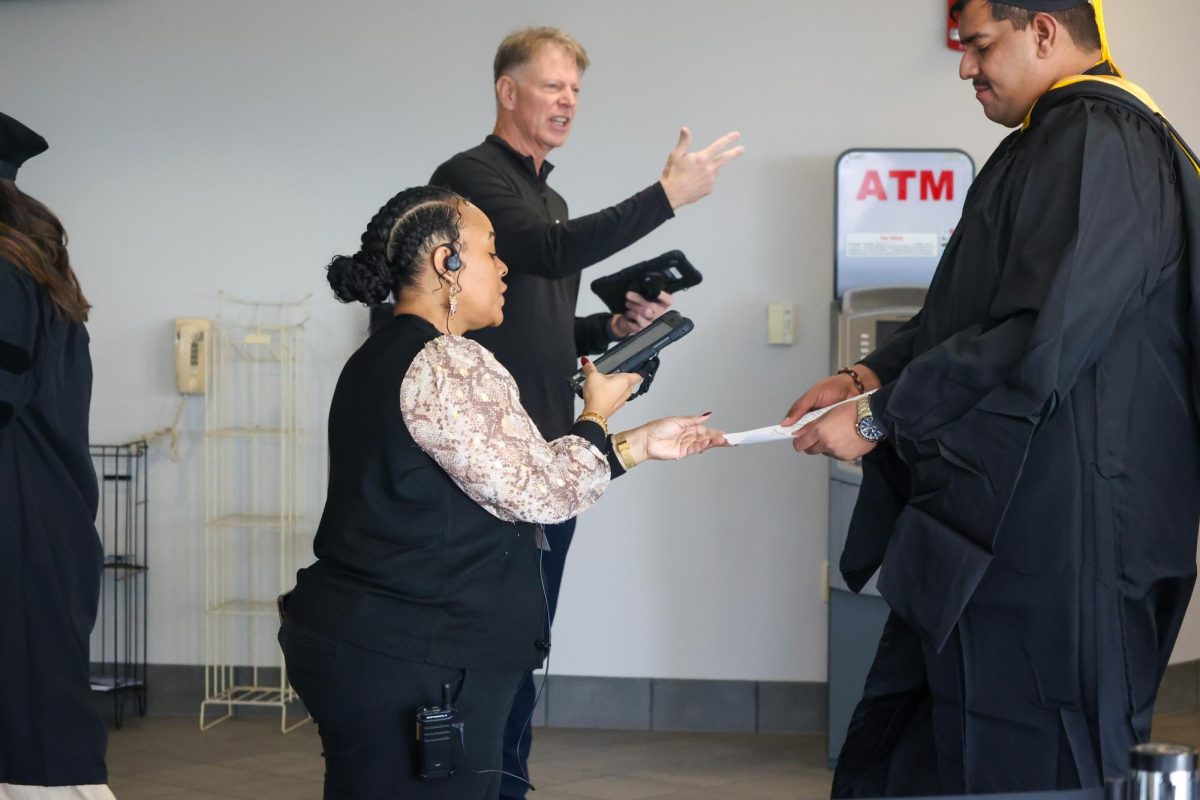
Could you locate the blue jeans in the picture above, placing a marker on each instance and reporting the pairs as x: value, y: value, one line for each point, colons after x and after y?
x: 518, y: 733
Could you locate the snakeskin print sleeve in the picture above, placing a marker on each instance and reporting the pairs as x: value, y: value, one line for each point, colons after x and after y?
x: 463, y: 409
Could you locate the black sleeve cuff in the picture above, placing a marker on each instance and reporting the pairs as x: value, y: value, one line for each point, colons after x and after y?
x: 615, y: 467
x: 878, y: 403
x: 664, y: 203
x: 884, y: 371
x: 592, y: 433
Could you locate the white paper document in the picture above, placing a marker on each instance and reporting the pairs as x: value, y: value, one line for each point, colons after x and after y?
x: 778, y: 433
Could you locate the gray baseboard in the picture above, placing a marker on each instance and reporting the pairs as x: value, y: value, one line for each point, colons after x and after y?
x: 671, y: 704
x: 570, y: 701
x: 657, y: 704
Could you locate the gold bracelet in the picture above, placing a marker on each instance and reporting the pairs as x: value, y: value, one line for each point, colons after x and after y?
x: 592, y: 416
x: 624, y: 450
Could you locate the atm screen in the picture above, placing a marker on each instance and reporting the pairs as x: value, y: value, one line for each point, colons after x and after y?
x: 885, y: 329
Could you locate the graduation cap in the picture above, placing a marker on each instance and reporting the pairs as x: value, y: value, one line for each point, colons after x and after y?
x: 18, y: 144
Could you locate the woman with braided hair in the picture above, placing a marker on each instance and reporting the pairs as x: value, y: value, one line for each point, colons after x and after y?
x: 427, y: 582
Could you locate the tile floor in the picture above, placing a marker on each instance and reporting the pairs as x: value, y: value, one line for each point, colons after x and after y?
x: 248, y: 758
x: 171, y: 758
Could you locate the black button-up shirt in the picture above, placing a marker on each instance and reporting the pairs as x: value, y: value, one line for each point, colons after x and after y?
x: 541, y: 337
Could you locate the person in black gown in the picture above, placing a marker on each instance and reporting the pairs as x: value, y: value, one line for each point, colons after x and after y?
x: 50, y: 553
x: 1031, y: 471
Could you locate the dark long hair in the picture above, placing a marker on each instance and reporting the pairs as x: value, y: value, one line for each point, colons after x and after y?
x: 407, y: 226
x: 33, y: 239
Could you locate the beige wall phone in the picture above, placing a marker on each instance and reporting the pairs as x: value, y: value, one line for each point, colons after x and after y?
x: 191, y: 354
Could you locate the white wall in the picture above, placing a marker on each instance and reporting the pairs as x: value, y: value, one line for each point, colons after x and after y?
x: 237, y: 145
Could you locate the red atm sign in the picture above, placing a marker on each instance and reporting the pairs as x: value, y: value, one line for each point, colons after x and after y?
x: 930, y: 185
x: 896, y: 212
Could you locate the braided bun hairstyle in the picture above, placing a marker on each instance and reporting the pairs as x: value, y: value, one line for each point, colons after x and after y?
x: 397, y: 236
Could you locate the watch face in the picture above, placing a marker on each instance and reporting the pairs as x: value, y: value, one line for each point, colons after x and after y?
x: 869, y: 430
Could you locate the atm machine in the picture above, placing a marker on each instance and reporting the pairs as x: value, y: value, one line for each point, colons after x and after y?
x: 895, y: 213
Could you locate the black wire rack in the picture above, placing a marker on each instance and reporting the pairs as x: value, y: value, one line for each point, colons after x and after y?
x: 119, y: 638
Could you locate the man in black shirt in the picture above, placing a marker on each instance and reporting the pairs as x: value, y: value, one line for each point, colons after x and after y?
x: 537, y: 75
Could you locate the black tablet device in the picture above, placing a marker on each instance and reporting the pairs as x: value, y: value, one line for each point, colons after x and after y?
x: 638, y: 353
x: 671, y: 272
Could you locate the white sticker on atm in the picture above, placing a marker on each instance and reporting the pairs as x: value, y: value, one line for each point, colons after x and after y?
x: 892, y: 245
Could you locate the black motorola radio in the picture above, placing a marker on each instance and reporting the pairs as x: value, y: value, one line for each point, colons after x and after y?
x: 436, y: 729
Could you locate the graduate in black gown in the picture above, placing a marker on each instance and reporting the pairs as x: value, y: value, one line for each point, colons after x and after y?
x: 50, y: 553
x: 1031, y: 472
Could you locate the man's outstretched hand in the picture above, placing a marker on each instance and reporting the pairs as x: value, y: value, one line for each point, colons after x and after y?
x: 687, y: 177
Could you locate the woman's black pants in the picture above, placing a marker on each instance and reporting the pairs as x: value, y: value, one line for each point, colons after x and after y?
x: 365, y: 706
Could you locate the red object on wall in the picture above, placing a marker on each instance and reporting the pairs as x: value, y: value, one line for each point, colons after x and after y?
x: 952, y: 29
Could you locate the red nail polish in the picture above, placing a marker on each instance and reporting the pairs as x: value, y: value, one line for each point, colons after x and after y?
x: 706, y: 413
x: 584, y: 360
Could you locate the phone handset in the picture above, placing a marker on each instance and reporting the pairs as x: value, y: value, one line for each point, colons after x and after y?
x: 191, y: 354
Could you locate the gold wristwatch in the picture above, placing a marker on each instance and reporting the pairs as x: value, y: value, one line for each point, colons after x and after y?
x: 866, y: 426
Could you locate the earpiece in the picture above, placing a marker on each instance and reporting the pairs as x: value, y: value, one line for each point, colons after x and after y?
x: 453, y: 262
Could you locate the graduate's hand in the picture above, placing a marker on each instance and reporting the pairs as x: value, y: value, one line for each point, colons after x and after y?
x: 639, y: 312
x: 673, y: 438
x: 825, y: 392
x: 828, y: 391
x: 687, y: 177
x: 834, y: 435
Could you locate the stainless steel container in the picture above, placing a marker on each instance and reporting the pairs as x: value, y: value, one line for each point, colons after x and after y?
x: 1161, y: 772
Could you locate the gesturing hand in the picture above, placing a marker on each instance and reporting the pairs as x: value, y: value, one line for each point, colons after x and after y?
x: 687, y: 177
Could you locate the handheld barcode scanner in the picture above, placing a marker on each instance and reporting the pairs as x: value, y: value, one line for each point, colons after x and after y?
x: 639, y: 353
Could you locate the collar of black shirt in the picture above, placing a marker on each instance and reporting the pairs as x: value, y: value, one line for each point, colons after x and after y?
x: 521, y: 158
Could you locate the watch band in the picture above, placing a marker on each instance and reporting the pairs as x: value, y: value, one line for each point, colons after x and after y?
x: 863, y: 406
x: 865, y: 417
